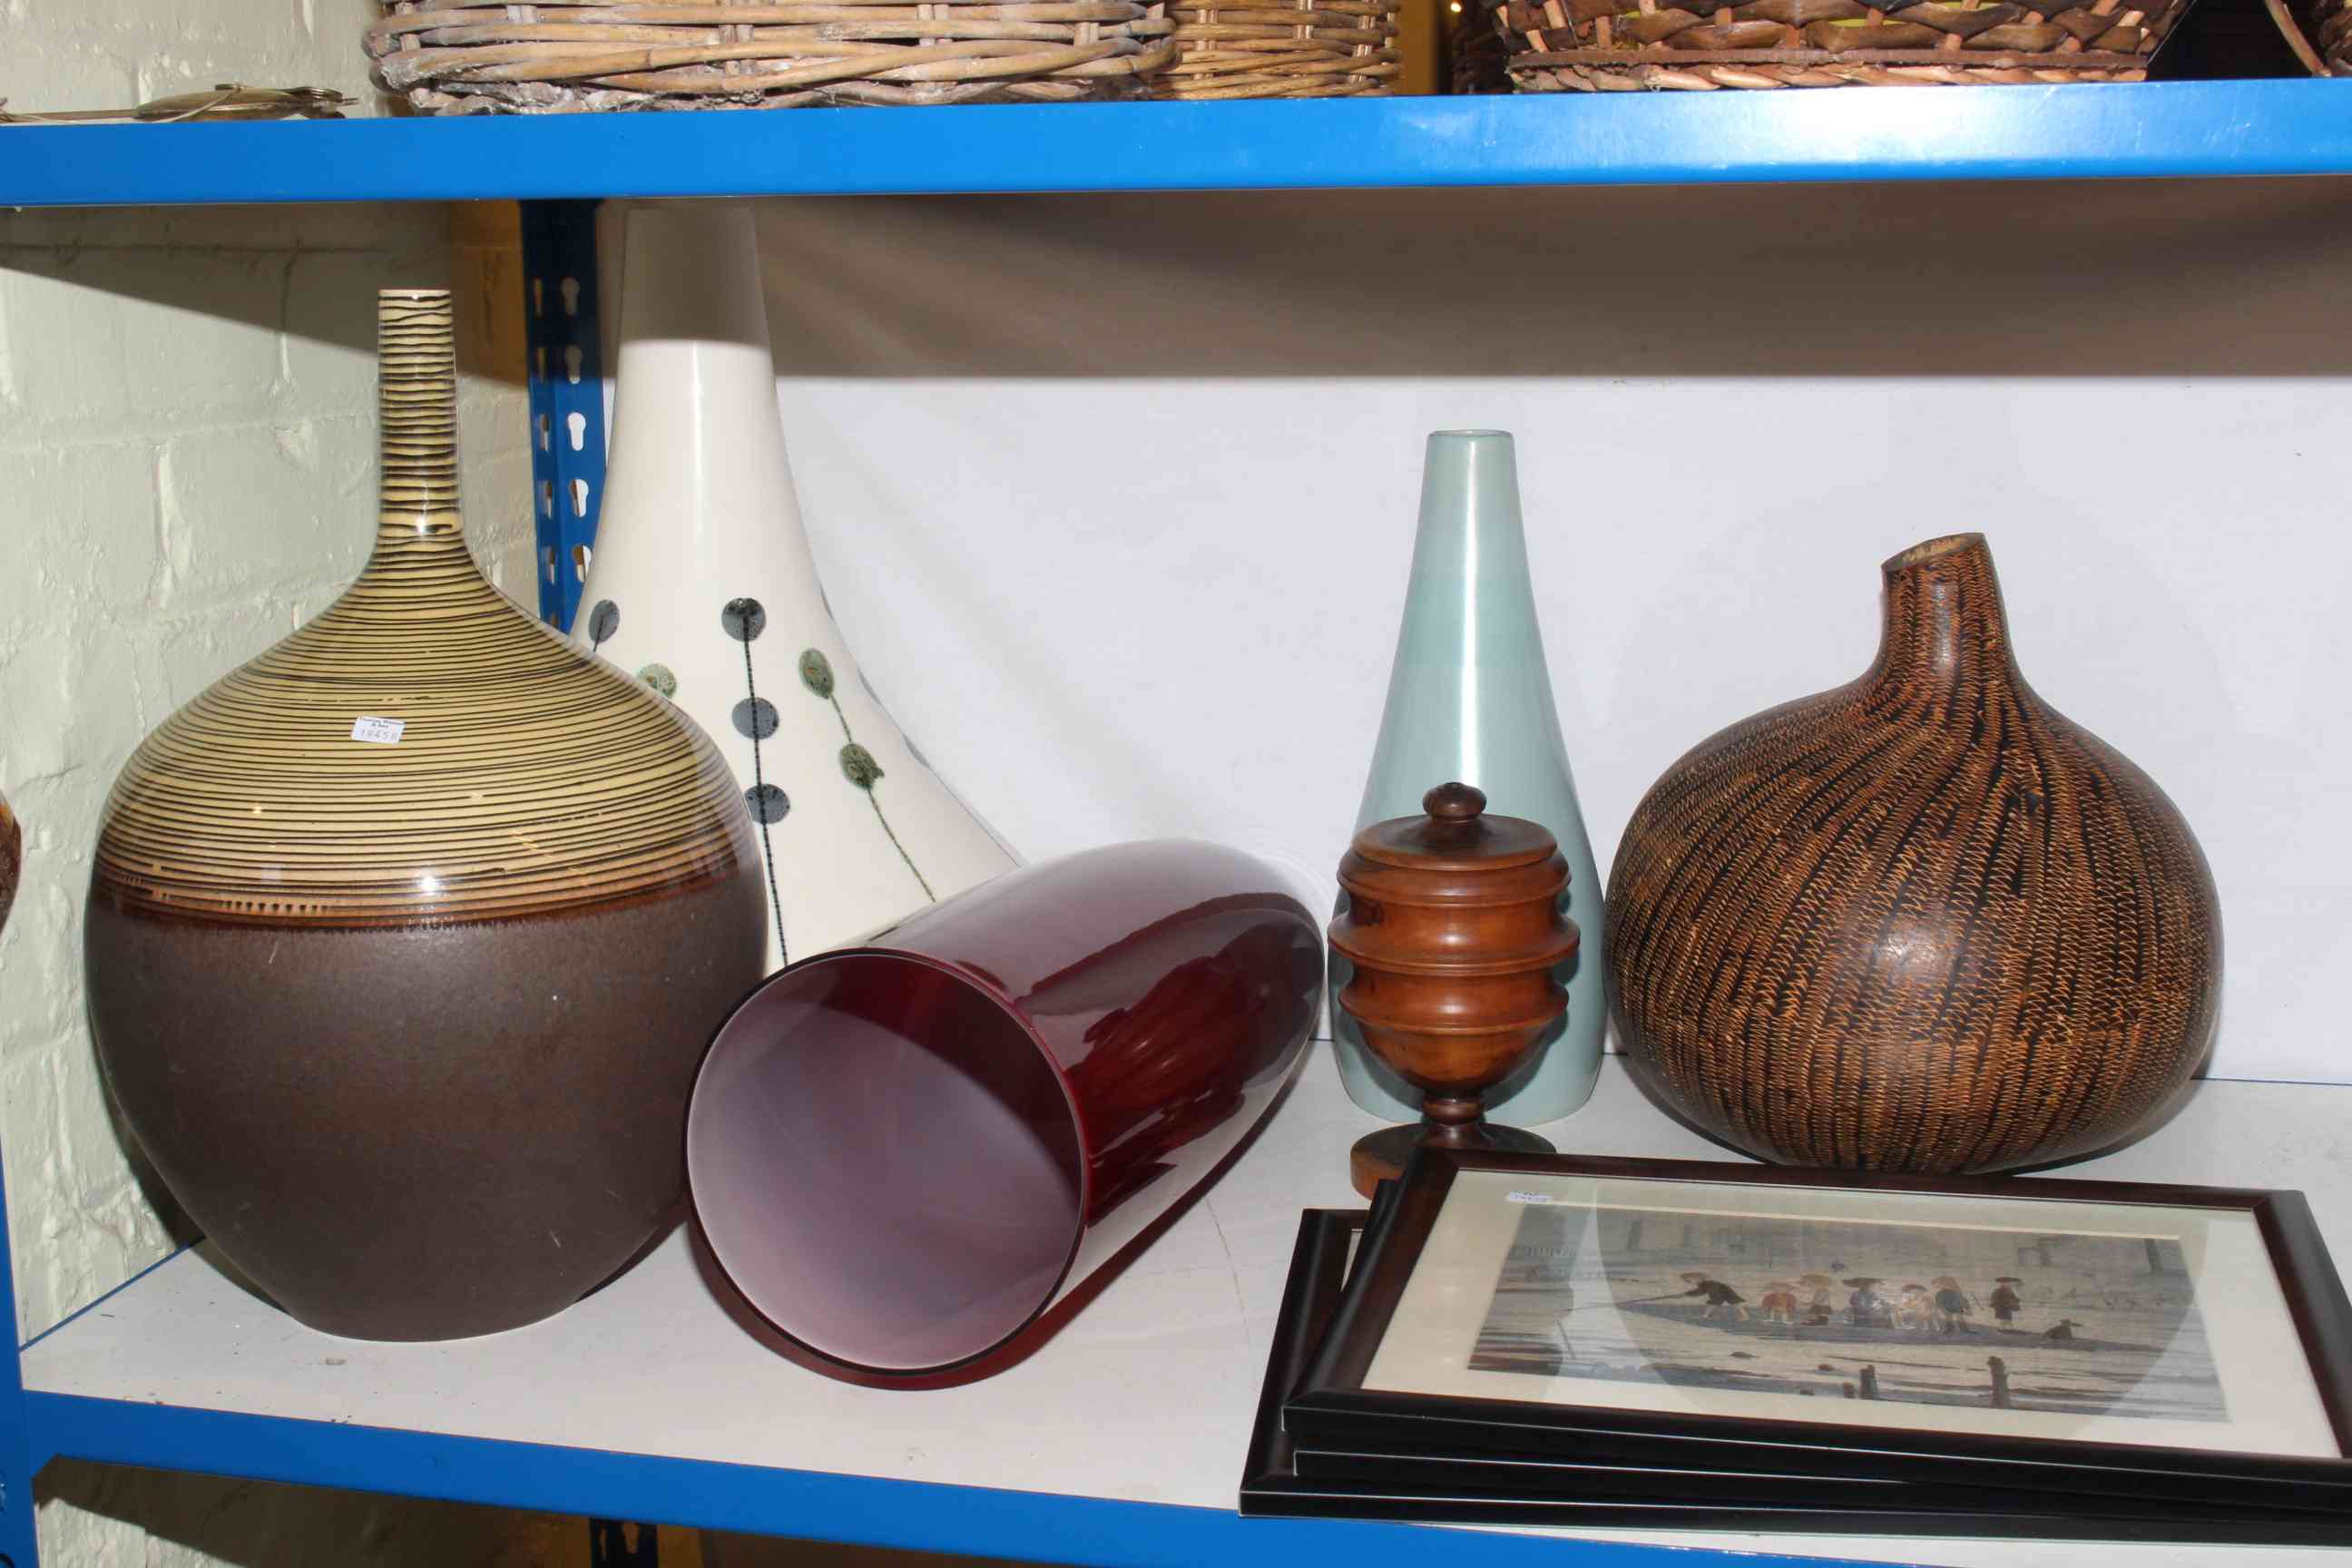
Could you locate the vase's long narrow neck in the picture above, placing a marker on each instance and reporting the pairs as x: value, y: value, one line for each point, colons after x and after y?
x: 417, y: 359
x: 697, y: 382
x: 1469, y: 556
x: 1945, y: 632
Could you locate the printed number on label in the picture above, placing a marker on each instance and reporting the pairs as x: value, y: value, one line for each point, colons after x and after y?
x: 381, y: 731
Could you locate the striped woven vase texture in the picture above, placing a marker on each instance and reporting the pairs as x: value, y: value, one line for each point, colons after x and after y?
x: 1922, y: 922
x: 404, y: 938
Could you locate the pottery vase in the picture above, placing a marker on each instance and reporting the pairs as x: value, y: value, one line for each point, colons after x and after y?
x: 702, y: 587
x: 1921, y: 923
x: 1470, y: 701
x: 404, y: 938
x: 12, y: 861
x: 904, y: 1152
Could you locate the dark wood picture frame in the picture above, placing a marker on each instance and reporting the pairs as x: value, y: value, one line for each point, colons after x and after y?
x: 1331, y: 1411
x: 1439, y: 1489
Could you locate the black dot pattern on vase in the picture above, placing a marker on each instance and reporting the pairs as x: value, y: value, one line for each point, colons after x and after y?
x: 602, y: 622
x: 755, y: 718
x: 768, y: 803
x: 743, y: 618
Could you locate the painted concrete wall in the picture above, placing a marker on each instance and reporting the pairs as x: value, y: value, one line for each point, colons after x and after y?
x: 188, y: 460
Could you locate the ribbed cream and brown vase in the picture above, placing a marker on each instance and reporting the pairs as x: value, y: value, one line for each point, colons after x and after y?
x: 404, y: 938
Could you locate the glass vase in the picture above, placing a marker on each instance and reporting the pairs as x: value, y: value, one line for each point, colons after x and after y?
x: 904, y: 1153
x: 1470, y: 701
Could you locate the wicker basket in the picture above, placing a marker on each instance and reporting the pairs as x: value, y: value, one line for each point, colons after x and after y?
x: 2320, y: 33
x: 1477, y: 60
x: 1599, y: 46
x: 465, y: 57
x: 1282, y: 48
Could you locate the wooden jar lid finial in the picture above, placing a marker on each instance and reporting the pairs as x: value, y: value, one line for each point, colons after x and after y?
x: 1454, y: 802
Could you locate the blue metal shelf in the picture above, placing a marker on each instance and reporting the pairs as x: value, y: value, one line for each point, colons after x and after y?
x: 2147, y: 131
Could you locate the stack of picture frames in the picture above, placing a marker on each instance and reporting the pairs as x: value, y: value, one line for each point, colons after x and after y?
x: 1558, y: 1341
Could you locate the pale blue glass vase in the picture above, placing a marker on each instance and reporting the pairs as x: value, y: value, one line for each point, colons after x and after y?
x: 1470, y: 698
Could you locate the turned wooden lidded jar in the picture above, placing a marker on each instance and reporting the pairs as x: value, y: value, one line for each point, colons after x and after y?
x: 1454, y: 926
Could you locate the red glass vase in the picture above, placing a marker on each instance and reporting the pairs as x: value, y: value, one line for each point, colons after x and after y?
x: 904, y: 1153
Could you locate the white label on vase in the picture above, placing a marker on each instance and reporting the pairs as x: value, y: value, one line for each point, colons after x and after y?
x: 379, y: 732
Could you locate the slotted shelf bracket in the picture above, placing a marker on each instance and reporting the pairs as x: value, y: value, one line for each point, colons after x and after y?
x: 566, y: 380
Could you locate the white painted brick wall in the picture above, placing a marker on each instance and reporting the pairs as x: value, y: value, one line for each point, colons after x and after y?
x: 187, y: 462
x: 104, y: 54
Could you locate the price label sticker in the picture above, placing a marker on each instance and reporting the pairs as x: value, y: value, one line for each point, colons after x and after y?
x: 379, y: 732
x: 1528, y: 1198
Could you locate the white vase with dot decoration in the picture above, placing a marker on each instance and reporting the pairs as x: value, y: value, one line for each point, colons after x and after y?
x: 701, y: 585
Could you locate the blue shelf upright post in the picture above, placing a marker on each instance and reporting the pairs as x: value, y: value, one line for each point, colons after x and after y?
x: 19, y: 1545
x: 566, y: 378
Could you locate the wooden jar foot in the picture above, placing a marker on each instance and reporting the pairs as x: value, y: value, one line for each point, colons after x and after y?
x: 1379, y: 1156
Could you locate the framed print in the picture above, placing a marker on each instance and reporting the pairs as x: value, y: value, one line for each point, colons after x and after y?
x: 2178, y: 1344
x: 1280, y: 1480
x: 1451, y: 1491
x: 1326, y: 1244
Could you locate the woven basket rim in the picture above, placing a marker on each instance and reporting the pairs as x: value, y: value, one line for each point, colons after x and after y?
x: 2081, y: 60
x: 559, y: 53
x: 615, y: 56
x: 1572, y: 45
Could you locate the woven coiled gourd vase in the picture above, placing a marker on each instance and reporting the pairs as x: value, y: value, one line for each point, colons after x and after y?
x: 404, y: 938
x: 12, y: 861
x: 1922, y: 922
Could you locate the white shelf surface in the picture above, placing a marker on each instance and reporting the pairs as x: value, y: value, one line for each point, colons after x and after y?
x: 1146, y: 1396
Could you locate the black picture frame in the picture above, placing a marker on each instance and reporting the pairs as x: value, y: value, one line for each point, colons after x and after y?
x: 1331, y: 1411
x: 1412, y: 1488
